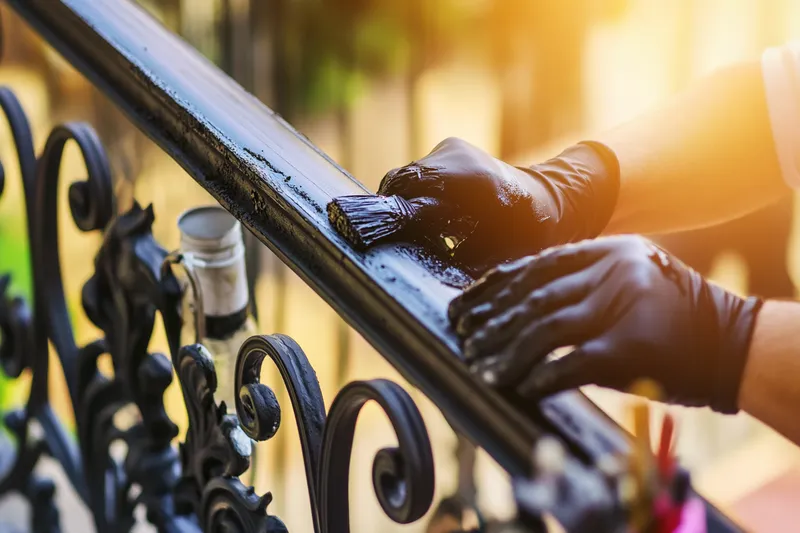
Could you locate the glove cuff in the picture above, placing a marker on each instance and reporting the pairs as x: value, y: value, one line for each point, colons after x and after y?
x: 733, y: 354
x: 604, y: 184
x: 583, y: 182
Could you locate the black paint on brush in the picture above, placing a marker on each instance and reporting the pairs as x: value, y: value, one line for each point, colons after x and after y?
x: 367, y: 219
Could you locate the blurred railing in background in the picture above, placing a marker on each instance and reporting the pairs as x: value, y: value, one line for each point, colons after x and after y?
x: 515, y: 77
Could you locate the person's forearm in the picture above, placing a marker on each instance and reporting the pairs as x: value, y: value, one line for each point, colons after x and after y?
x: 770, y: 388
x: 705, y: 157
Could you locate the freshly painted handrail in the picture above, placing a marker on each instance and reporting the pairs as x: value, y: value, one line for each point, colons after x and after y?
x: 277, y: 183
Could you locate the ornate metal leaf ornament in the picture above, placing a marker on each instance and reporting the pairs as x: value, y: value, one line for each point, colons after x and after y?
x: 215, y: 454
x: 121, y: 299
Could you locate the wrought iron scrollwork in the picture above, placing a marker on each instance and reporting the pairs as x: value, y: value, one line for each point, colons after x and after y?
x: 123, y: 455
x: 25, y: 336
x: 402, y: 477
x: 121, y: 298
x: 215, y: 454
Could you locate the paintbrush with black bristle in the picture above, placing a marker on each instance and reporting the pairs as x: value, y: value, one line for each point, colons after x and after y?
x: 367, y: 219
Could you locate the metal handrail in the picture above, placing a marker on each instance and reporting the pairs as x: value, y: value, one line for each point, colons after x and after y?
x: 277, y: 184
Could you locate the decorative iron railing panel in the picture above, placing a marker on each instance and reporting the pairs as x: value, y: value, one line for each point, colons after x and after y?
x: 277, y: 184
x: 194, y: 487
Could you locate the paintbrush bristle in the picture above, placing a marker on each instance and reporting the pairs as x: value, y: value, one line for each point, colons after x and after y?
x: 366, y: 219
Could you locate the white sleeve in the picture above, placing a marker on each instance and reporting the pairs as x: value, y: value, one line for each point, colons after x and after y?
x: 781, y: 70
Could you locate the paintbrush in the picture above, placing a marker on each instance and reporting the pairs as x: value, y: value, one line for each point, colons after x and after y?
x: 367, y: 219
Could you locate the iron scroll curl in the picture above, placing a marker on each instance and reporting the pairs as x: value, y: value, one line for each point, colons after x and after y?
x: 403, y: 476
x: 26, y: 331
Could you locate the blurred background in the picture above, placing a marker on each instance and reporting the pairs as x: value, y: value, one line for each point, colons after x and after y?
x: 376, y: 84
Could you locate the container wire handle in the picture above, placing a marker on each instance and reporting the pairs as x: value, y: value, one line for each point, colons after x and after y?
x: 178, y: 258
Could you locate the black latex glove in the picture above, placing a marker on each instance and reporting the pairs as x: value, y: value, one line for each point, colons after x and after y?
x: 630, y: 310
x: 517, y: 211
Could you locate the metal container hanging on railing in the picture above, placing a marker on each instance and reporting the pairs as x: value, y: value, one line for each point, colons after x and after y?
x: 212, y: 252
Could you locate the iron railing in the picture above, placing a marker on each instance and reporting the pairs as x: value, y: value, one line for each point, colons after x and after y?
x: 277, y: 184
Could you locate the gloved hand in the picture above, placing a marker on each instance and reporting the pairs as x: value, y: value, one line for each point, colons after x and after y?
x: 516, y: 211
x: 630, y: 310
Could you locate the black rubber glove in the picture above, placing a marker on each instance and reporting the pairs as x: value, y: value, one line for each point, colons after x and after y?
x: 630, y: 310
x: 515, y: 211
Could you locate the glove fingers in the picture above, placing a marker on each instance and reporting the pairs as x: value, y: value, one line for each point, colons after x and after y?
x: 511, y: 283
x: 593, y: 362
x: 484, y: 290
x: 454, y: 169
x: 505, y: 296
x: 487, y: 327
x: 413, y: 181
x: 538, y: 339
x: 580, y: 367
x: 424, y: 177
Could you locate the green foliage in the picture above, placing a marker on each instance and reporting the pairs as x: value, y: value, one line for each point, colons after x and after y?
x: 380, y: 45
x: 15, y: 261
x: 330, y: 48
x: 330, y: 85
